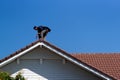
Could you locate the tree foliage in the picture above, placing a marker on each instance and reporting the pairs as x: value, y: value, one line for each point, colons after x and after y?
x: 19, y: 77
x: 6, y: 76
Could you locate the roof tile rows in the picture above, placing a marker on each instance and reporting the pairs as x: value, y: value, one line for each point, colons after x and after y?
x: 108, y: 63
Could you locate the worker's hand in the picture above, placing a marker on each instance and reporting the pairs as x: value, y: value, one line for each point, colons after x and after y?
x: 47, y: 30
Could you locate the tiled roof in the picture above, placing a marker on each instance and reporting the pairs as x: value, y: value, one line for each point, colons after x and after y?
x: 108, y: 63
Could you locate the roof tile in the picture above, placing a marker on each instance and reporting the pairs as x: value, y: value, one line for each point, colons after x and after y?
x: 108, y: 63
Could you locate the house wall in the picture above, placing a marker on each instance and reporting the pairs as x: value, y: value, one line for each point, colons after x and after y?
x: 49, y: 65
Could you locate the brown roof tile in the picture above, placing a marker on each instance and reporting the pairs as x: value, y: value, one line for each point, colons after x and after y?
x: 107, y: 63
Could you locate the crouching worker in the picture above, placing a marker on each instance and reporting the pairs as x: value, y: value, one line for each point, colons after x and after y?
x: 42, y: 31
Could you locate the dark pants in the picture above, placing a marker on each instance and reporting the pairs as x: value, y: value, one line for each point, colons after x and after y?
x: 43, y: 34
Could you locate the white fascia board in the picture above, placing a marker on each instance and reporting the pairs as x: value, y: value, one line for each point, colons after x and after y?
x: 78, y: 63
x: 18, y: 55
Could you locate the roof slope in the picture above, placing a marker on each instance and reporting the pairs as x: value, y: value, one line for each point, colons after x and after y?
x: 78, y: 59
x: 107, y: 63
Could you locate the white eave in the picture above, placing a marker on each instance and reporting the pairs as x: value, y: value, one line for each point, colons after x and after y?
x: 57, y: 52
x: 18, y: 55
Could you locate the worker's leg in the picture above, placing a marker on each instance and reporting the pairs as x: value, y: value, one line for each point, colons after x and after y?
x: 43, y: 34
x: 39, y: 36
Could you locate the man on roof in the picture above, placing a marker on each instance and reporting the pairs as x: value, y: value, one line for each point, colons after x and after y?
x: 42, y: 31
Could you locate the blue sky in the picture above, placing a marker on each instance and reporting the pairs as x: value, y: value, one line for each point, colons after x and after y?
x: 77, y: 25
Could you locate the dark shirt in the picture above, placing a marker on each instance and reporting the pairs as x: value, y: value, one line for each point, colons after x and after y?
x: 39, y: 29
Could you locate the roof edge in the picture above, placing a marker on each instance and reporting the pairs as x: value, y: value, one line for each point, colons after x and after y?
x: 79, y: 63
x: 57, y: 50
x: 16, y: 55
